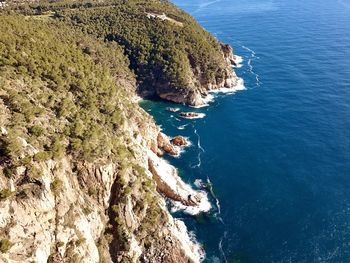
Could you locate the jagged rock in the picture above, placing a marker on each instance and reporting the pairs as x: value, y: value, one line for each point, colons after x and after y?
x: 179, y: 141
x: 191, y: 115
x: 165, y: 144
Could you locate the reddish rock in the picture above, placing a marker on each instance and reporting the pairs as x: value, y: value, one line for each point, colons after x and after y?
x: 179, y: 141
x: 165, y: 144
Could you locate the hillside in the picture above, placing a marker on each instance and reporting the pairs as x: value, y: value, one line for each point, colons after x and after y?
x: 173, y: 57
x: 81, y: 173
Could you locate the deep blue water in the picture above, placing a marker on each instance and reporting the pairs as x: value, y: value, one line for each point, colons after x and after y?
x: 277, y: 153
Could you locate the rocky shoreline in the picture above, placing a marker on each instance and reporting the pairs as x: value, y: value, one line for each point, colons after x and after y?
x: 82, y: 173
x: 74, y: 214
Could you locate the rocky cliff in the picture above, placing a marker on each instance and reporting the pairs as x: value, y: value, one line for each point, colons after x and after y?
x: 82, y: 177
x: 74, y: 211
x: 84, y: 212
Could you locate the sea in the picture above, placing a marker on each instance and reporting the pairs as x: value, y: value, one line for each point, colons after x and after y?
x: 275, y: 157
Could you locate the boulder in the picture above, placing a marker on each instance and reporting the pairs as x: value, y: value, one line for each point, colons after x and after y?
x: 179, y: 141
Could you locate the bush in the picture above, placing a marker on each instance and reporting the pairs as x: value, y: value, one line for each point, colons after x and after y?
x: 36, y: 130
x: 56, y: 185
x: 42, y: 156
x: 12, y: 146
x: 60, y: 244
x: 34, y: 172
x: 5, y: 193
x: 10, y: 171
x: 5, y: 245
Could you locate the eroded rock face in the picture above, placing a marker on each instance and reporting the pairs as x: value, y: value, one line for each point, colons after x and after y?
x: 62, y: 214
x: 60, y: 223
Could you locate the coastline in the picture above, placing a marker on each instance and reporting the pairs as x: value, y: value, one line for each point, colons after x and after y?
x: 171, y: 185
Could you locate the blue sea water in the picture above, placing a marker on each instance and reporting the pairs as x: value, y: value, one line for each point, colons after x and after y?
x: 277, y: 153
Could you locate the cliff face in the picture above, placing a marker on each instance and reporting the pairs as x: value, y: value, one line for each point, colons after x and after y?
x: 83, y: 212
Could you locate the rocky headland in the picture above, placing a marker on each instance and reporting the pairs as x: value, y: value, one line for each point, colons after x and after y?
x: 82, y: 178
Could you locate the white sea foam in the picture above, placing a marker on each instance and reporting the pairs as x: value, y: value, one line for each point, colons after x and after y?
x: 203, y: 207
x: 238, y: 61
x: 181, y: 149
x: 253, y: 56
x: 221, y: 248
x: 239, y: 86
x: 210, y: 188
x: 167, y: 174
x: 189, y: 243
x: 204, y: 5
x: 198, y: 183
x: 182, y: 127
x: 200, y: 150
x: 252, y: 52
x: 172, y: 109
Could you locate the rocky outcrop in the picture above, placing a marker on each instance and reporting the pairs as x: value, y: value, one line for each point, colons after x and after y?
x: 179, y: 141
x: 51, y: 217
x: 191, y: 115
x: 170, y: 146
x: 196, y: 92
x: 164, y: 145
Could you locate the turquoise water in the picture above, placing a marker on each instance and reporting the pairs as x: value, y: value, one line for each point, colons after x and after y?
x: 277, y: 153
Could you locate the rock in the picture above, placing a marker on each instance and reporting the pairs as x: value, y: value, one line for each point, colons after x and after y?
x: 165, y: 144
x: 191, y: 115
x: 179, y: 141
x: 172, y: 186
x: 170, y: 149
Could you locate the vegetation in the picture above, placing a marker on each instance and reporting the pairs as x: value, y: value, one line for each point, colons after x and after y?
x: 5, y: 245
x: 56, y: 185
x: 162, y: 52
x: 5, y: 193
x: 59, y: 92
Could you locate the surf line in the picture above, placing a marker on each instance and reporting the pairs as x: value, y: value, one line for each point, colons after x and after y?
x: 209, y: 187
x: 204, y: 5
x: 221, y: 247
x: 253, y: 56
x: 200, y: 150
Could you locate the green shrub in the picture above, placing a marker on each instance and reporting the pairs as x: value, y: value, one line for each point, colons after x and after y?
x: 60, y: 244
x: 56, y: 185
x: 36, y: 130
x: 34, y: 172
x: 5, y: 245
x: 10, y: 171
x: 5, y: 193
x: 42, y: 156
